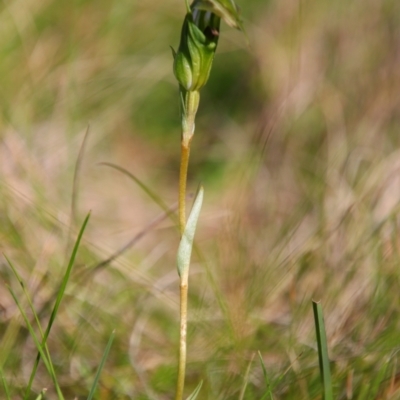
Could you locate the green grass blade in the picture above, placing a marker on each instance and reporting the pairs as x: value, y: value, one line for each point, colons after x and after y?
x: 375, y: 384
x: 246, y: 379
x: 60, y: 295
x: 323, y: 351
x: 23, y: 286
x: 196, y: 392
x: 103, y: 360
x: 268, y: 393
x: 44, y: 344
x: 47, y: 362
x: 6, y: 390
x: 77, y: 169
x: 66, y: 277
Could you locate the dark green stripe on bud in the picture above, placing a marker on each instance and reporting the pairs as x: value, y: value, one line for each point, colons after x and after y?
x: 225, y: 9
x: 199, y: 39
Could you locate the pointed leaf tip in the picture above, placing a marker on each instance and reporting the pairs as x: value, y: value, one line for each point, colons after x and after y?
x: 173, y: 52
x: 186, y: 243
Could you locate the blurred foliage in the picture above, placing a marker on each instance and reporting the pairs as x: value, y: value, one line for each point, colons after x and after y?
x: 297, y: 144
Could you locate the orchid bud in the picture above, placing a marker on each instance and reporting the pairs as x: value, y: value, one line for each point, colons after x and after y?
x: 199, y: 39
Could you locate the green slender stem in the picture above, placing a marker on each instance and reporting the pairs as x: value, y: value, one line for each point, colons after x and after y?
x: 185, y: 152
x: 189, y: 105
x: 187, y: 6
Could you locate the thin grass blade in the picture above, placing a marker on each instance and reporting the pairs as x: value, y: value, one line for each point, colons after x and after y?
x: 268, y: 393
x: 103, y: 360
x: 196, y: 392
x: 66, y: 277
x: 23, y: 286
x: 6, y: 389
x: 78, y: 166
x: 324, y: 365
x: 246, y: 379
x: 47, y: 362
x: 153, y: 195
x: 59, y: 297
x: 376, y: 383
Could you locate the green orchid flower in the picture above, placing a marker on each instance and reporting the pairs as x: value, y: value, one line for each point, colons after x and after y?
x: 199, y: 39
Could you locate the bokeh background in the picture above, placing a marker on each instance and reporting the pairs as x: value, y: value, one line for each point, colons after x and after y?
x: 297, y: 145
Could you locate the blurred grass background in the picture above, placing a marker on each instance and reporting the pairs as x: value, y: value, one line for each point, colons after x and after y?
x: 297, y: 145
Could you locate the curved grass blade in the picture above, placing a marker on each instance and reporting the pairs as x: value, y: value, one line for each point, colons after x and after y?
x: 134, y: 240
x: 103, y: 360
x: 59, y: 297
x: 47, y: 362
x: 323, y: 357
x: 186, y: 243
x: 157, y: 199
x: 75, y: 181
x: 22, y: 284
x: 196, y: 392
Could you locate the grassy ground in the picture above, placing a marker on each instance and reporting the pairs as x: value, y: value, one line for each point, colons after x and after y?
x: 297, y: 145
